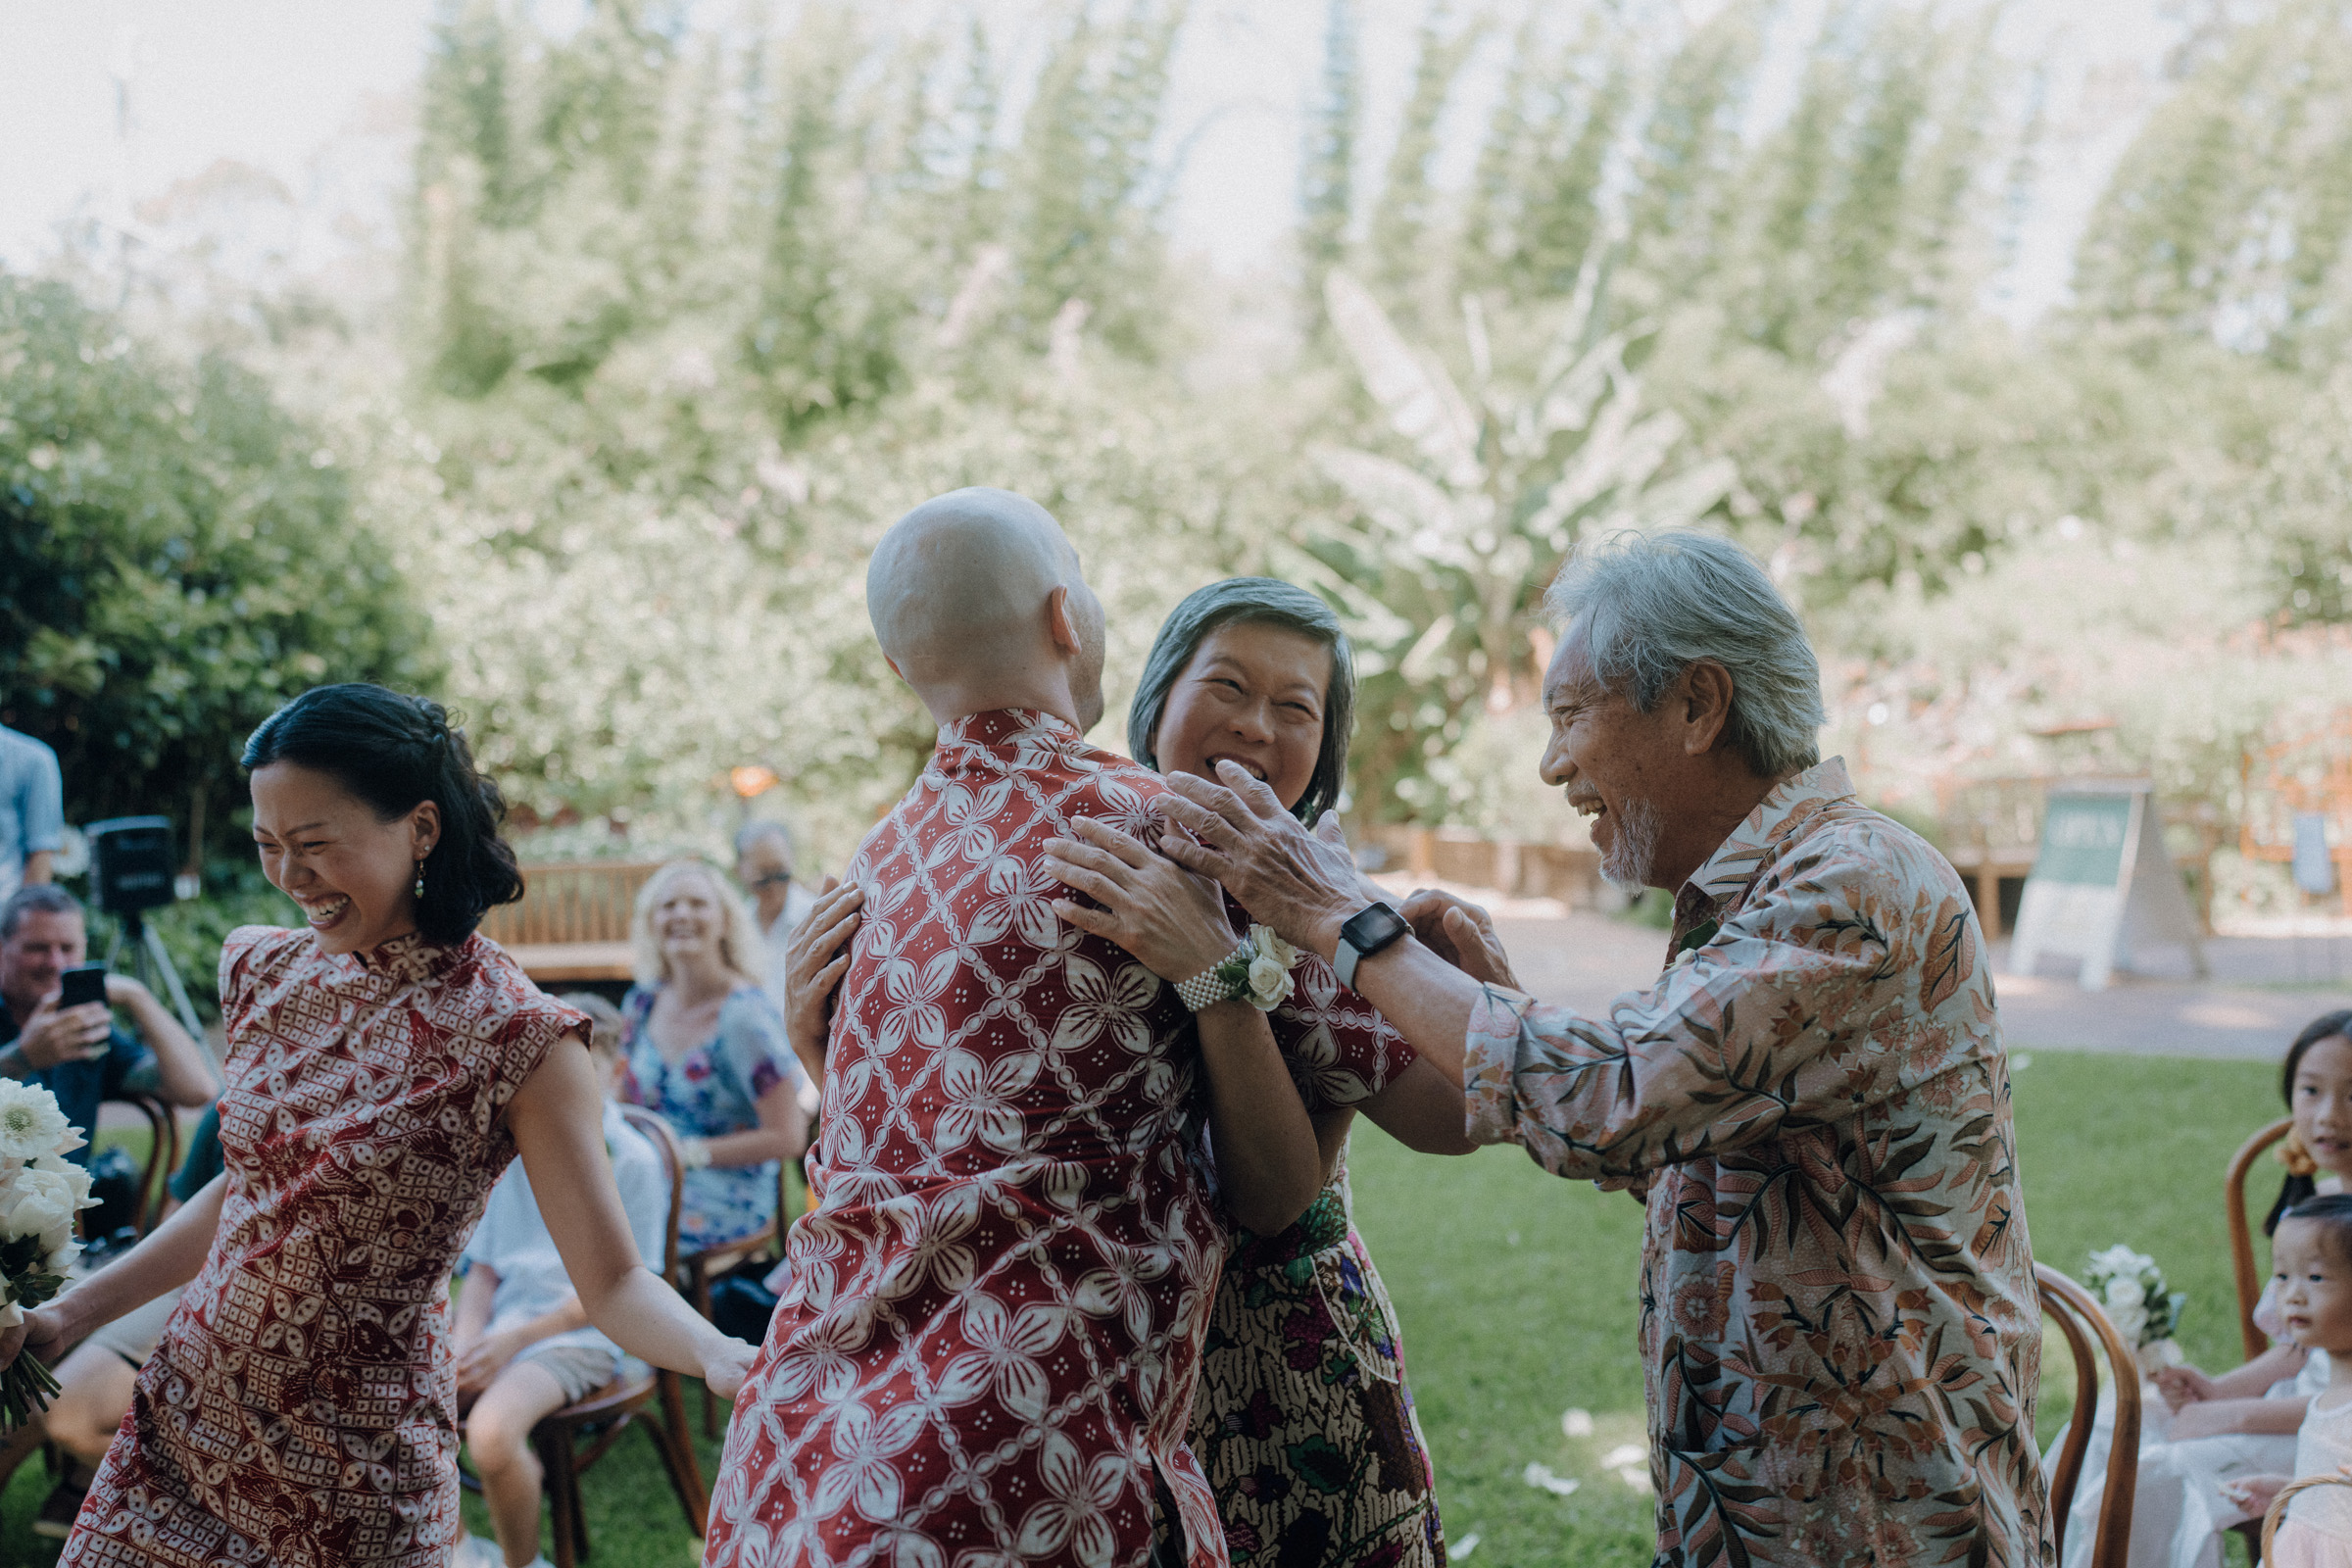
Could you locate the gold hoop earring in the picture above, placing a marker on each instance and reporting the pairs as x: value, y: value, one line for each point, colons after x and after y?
x: 420, y: 879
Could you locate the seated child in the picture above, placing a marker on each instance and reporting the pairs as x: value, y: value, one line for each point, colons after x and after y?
x: 2312, y: 1270
x: 2214, y: 1431
x: 523, y: 1346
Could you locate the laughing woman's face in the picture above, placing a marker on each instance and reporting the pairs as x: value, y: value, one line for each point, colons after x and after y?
x: 1254, y: 694
x: 352, y: 872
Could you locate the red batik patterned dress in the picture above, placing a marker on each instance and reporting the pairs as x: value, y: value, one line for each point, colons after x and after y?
x: 991, y: 1337
x: 301, y: 1407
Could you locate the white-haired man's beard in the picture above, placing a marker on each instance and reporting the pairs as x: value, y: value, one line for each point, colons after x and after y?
x: 1633, y: 851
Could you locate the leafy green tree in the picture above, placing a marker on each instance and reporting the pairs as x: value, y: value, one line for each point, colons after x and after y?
x: 1448, y: 555
x: 177, y: 557
x: 2230, y: 214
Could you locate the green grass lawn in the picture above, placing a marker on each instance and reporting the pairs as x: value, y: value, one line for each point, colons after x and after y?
x: 1516, y: 1292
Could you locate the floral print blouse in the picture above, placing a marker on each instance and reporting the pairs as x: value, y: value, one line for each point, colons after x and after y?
x: 712, y: 1091
x: 1839, y: 1325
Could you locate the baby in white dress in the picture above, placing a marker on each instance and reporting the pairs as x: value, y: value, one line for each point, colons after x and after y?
x: 2312, y: 1270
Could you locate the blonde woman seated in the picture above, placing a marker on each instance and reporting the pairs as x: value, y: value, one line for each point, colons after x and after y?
x: 2210, y: 1433
x: 705, y: 1049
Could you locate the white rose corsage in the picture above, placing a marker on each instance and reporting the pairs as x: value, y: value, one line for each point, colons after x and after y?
x: 1259, y: 972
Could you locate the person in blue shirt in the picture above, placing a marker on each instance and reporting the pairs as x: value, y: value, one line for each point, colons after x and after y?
x: 33, y: 815
x: 81, y: 1054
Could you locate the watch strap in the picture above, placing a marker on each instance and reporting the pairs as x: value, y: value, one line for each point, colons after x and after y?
x: 1344, y: 960
x: 1347, y: 955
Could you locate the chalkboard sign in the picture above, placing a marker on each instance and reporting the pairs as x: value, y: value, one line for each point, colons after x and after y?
x: 2100, y: 883
x: 2083, y: 840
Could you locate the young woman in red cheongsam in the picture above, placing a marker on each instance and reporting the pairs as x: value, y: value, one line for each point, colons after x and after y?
x: 385, y: 1063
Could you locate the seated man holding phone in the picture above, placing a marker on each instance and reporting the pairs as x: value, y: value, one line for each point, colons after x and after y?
x: 68, y: 1043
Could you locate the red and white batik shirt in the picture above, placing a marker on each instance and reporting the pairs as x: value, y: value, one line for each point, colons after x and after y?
x: 993, y: 1332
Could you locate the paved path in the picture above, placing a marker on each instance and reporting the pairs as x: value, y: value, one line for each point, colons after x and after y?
x: 2262, y: 990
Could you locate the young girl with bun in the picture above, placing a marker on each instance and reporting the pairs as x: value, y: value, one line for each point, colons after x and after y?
x: 385, y: 1064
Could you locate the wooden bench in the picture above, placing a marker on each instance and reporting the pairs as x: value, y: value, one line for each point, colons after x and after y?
x: 572, y: 924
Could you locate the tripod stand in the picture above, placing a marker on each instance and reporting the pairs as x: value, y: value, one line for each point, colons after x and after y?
x: 151, y: 963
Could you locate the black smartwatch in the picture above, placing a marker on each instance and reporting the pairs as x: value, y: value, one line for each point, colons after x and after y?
x: 1370, y: 929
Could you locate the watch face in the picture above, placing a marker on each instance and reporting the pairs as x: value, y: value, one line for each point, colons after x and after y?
x: 1373, y: 928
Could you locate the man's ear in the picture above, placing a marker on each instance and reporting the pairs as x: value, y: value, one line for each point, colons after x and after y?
x: 1061, y: 623
x: 1706, y: 705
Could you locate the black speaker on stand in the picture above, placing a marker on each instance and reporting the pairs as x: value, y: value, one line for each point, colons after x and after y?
x: 131, y: 872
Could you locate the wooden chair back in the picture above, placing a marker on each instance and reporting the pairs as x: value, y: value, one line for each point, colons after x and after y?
x: 673, y: 1171
x: 162, y: 1158
x: 2083, y: 1320
x: 2241, y: 1233
x: 571, y: 902
x: 693, y: 1273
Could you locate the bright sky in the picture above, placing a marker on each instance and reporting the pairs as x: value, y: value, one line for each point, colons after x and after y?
x: 314, y: 92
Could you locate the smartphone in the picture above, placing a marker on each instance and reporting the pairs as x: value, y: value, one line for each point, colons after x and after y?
x: 84, y: 984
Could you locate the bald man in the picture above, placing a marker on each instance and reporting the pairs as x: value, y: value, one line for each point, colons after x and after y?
x: 988, y: 1349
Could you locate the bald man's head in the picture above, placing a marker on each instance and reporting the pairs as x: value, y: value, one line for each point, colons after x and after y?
x: 978, y: 590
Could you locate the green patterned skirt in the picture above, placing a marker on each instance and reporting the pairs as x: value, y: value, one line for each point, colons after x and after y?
x: 1304, y: 1421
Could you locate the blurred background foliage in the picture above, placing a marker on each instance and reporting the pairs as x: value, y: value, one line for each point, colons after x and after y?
x: 684, y: 314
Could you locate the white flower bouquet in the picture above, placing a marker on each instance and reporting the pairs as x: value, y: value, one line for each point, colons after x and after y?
x: 2139, y: 1302
x: 41, y: 1192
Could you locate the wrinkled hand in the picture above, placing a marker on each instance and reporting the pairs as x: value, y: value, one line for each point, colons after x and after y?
x: 2182, y: 1384
x: 725, y: 1370
x: 76, y: 1034
x: 1462, y: 934
x: 814, y: 961
x: 1304, y: 885
x: 1173, y: 921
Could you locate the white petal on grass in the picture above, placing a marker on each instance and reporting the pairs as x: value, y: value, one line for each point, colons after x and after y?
x: 1457, y: 1550
x: 1541, y: 1477
x: 1638, y: 1480
x: 1577, y: 1423
x: 1625, y: 1453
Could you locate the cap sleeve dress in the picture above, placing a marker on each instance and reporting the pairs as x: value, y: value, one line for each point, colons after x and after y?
x: 301, y: 1407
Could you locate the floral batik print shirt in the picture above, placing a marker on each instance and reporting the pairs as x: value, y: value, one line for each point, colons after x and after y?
x: 1839, y: 1324
x: 988, y: 1347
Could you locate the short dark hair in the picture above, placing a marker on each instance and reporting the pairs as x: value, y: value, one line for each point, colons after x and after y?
x: 39, y: 898
x: 396, y: 752
x: 2326, y: 1026
x: 1251, y: 601
x: 2332, y: 1213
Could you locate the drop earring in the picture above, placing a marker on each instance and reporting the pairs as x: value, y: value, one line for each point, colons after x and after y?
x: 420, y: 879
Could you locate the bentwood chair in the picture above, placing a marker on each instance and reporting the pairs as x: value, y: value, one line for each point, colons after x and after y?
x: 603, y: 1415
x: 162, y: 1158
x: 2081, y: 1320
x: 2241, y: 1232
x: 694, y: 1272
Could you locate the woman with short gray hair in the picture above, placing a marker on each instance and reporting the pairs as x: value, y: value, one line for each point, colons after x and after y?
x: 1259, y: 672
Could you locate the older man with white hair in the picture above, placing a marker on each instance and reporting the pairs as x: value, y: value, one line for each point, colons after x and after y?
x: 1840, y: 1322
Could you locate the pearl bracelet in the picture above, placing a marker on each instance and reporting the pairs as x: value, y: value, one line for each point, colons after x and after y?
x: 1222, y: 981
